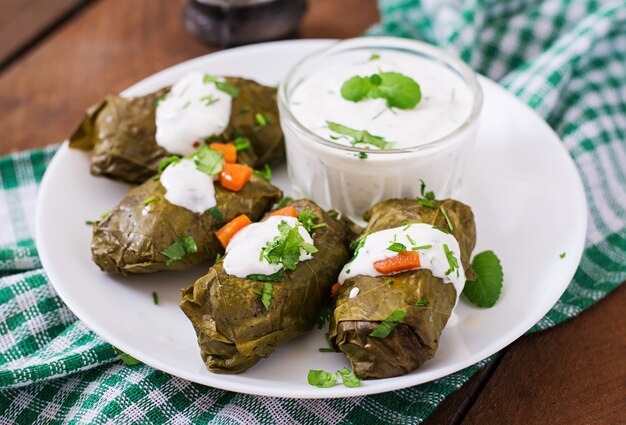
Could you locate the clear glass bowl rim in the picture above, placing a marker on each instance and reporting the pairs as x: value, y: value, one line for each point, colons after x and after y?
x: 380, y: 43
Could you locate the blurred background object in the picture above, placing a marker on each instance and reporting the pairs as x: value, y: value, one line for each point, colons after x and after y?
x: 233, y: 22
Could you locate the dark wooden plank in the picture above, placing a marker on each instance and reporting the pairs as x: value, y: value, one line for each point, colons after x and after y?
x: 574, y: 373
x: 22, y: 21
x: 111, y: 45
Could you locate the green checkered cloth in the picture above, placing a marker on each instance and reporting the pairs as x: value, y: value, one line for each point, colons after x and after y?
x: 567, y: 59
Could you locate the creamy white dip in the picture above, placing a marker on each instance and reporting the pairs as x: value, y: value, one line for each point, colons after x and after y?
x: 446, y: 101
x: 188, y: 187
x: 193, y: 110
x: 243, y: 253
x: 429, y: 243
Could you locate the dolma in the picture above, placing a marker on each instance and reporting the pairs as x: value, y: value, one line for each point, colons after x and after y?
x: 426, y: 299
x: 233, y: 327
x: 131, y: 238
x: 120, y: 132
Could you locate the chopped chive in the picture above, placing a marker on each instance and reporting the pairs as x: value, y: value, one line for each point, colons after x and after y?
x: 260, y: 119
x: 441, y: 230
x: 326, y: 350
x: 105, y: 214
x: 410, y: 239
x: 148, y: 200
x: 155, y: 298
x: 89, y: 223
x: 417, y: 248
x: 445, y: 215
x: 421, y: 303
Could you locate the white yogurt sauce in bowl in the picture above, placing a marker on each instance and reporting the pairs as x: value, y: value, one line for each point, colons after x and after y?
x: 430, y: 141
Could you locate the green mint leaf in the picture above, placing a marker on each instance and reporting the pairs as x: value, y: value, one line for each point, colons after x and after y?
x: 274, y: 277
x: 242, y: 143
x: 208, y: 160
x: 397, y: 89
x: 485, y: 290
x: 126, y: 358
x: 356, y: 88
x: 182, y: 246
x: 321, y: 378
x: 397, y: 247
x: 389, y: 324
x: 359, y: 136
x: 349, y: 379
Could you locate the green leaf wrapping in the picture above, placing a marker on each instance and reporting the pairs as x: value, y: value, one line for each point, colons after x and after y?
x: 233, y: 327
x: 120, y: 132
x: 130, y: 239
x: 415, y: 339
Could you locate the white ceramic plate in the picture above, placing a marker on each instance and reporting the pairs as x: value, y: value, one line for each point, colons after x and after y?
x: 523, y: 187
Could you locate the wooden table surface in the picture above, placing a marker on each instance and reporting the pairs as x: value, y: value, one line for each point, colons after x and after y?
x: 58, y: 57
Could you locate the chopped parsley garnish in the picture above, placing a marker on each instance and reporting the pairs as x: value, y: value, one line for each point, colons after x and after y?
x: 285, y: 248
x: 274, y: 277
x: 389, y: 281
x: 389, y: 324
x: 155, y: 298
x: 397, y: 89
x: 217, y: 215
x: 427, y: 202
x: 266, y: 295
x: 208, y: 100
x: 229, y: 89
x: 148, y: 200
x: 89, y: 222
x: 126, y: 358
x: 323, y: 316
x: 283, y: 202
x: 485, y: 290
x: 261, y: 120
x: 421, y: 303
x: 349, y: 379
x: 374, y: 57
x: 348, y: 271
x: 105, y: 214
x: 242, y: 143
x: 452, y: 260
x: 266, y: 173
x: 417, y: 248
x: 182, y: 246
x: 359, y: 136
x: 562, y: 255
x: 323, y: 379
x: 430, y: 195
x: 445, y: 215
x: 308, y: 219
x: 397, y: 247
x: 326, y: 350
x: 167, y: 161
x: 362, y: 155
x: 208, y: 160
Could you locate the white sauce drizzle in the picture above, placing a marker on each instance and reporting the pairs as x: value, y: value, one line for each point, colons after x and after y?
x: 434, y: 258
x: 188, y: 187
x: 192, y: 111
x: 243, y: 253
x: 446, y: 102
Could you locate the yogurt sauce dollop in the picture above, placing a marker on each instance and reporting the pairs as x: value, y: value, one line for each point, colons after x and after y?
x: 429, y: 242
x: 243, y: 251
x: 445, y: 104
x: 188, y: 187
x: 193, y: 110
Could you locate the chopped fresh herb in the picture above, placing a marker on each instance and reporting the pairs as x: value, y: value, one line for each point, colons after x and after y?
x: 217, y: 215
x: 485, y: 290
x: 349, y: 379
x: 266, y: 173
x: 148, y: 200
x: 274, y: 277
x: 452, y: 260
x: 445, y: 215
x: 374, y: 57
x: 441, y: 230
x: 389, y: 281
x: 326, y: 350
x: 427, y: 202
x: 422, y: 303
x: 229, y: 89
x: 126, y: 358
x: 357, y: 245
x: 260, y: 119
x: 389, y: 324
x: 182, y: 246
x: 167, y: 161
x: 266, y: 295
x: 283, y: 202
x: 285, y: 248
x: 406, y: 227
x: 417, y: 248
x: 208, y: 100
x: 217, y: 256
x: 430, y: 195
x: 410, y: 239
x: 308, y: 219
x: 105, y: 214
x: 397, y: 247
x: 89, y: 222
x: 562, y: 255
x: 359, y: 136
x: 397, y: 89
x: 321, y: 378
x: 160, y: 100
x: 362, y: 155
x: 208, y: 160
x: 244, y: 110
x: 323, y: 316
x: 155, y: 298
x: 242, y: 143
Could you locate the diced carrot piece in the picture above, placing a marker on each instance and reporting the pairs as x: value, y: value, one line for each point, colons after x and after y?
x: 405, y: 260
x: 228, y: 150
x: 287, y: 211
x: 226, y: 233
x: 235, y: 176
x: 335, y: 289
